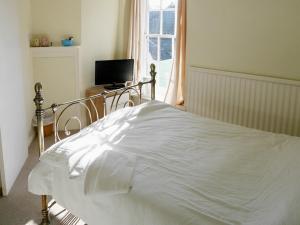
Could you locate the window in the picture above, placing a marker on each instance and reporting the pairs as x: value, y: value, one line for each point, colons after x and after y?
x: 160, y: 39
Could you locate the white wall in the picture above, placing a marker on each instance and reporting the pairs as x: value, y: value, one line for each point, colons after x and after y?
x: 253, y: 36
x: 99, y: 29
x: 15, y: 88
x: 2, y: 180
x: 57, y: 19
x: 24, y: 37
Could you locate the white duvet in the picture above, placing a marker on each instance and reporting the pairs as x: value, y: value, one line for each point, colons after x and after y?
x: 155, y: 165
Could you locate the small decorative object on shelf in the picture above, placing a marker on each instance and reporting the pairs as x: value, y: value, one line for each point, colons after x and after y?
x: 44, y: 41
x: 68, y: 41
x: 35, y: 42
x: 40, y: 41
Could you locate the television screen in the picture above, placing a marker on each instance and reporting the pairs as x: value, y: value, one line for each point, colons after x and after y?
x: 114, y: 71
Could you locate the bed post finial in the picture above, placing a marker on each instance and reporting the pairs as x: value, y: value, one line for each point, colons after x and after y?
x: 39, y: 112
x: 153, y: 80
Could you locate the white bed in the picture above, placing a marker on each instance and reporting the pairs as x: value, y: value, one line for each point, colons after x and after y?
x: 172, y: 168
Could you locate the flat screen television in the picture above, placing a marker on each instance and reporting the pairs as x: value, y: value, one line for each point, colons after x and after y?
x: 113, y: 73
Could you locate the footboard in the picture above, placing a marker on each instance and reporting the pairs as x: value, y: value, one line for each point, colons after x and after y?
x: 134, y: 91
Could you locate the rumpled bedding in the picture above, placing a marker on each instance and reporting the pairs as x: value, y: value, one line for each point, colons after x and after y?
x: 185, y: 166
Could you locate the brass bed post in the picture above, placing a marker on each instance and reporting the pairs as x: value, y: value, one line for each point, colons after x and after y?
x: 153, y: 81
x: 39, y: 112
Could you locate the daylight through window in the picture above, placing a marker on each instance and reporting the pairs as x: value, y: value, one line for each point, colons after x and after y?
x: 160, y: 40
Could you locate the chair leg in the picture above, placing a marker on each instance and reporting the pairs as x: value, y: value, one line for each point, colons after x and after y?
x: 45, y: 216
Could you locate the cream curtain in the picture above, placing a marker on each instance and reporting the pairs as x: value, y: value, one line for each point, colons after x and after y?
x: 136, y: 36
x: 175, y: 92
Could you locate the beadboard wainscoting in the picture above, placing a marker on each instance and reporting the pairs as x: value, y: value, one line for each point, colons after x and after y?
x: 259, y: 102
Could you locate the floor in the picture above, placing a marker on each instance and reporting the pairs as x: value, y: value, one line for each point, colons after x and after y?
x: 23, y: 208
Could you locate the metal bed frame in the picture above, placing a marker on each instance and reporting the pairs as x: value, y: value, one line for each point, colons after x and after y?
x: 59, y: 109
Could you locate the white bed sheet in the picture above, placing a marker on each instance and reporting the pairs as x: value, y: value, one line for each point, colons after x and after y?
x: 189, y: 171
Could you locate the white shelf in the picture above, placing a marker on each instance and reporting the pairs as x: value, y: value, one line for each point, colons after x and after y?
x: 59, y: 51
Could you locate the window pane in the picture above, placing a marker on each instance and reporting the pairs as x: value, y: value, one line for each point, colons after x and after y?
x: 165, y: 48
x: 153, y: 48
x: 168, y: 22
x: 168, y: 4
x: 154, y: 22
x: 154, y: 4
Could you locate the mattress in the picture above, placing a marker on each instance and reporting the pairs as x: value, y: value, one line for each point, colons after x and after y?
x: 188, y: 171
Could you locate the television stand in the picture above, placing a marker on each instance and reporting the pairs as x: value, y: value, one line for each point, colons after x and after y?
x: 114, y: 86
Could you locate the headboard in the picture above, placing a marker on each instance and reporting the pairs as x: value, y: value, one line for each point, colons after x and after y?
x: 134, y: 91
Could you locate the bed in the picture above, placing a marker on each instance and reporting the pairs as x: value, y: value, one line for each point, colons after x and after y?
x: 153, y: 164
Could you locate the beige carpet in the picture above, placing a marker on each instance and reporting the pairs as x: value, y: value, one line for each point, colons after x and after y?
x: 23, y: 208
